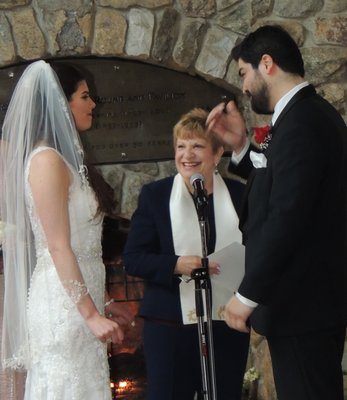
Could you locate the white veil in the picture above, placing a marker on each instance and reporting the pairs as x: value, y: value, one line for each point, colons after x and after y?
x: 38, y: 113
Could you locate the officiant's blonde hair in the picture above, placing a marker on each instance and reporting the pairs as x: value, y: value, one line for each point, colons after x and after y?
x: 193, y: 124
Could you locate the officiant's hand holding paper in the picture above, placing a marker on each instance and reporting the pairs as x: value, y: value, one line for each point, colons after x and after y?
x: 224, y: 284
x: 186, y: 264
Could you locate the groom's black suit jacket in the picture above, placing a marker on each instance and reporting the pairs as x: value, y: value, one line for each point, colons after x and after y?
x: 294, y: 222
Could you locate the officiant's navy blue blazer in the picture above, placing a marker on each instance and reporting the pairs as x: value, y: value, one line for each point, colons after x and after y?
x: 149, y: 251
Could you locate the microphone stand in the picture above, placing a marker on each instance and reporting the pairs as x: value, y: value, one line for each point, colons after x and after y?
x: 202, y: 281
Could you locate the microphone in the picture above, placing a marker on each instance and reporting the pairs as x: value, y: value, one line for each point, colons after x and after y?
x: 200, y: 194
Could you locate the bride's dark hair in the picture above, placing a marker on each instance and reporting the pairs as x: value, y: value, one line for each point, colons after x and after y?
x: 69, y: 77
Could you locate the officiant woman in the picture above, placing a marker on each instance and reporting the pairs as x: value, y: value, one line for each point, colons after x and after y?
x: 164, y: 244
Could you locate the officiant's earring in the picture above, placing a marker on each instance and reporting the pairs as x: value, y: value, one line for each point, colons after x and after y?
x: 216, y: 172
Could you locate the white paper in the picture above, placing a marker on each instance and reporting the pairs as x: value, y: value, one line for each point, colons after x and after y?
x: 232, y: 263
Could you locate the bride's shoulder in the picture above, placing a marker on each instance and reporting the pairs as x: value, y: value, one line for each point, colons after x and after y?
x: 45, y: 155
x: 46, y: 160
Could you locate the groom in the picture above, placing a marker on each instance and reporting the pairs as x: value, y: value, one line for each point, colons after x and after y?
x: 294, y: 221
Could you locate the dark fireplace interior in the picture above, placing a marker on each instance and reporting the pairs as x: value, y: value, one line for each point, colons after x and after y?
x: 127, y: 367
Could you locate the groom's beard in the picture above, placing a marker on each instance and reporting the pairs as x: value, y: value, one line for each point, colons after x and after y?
x: 260, y: 97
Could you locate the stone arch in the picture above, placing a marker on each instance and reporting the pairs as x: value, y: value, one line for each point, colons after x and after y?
x: 191, y: 36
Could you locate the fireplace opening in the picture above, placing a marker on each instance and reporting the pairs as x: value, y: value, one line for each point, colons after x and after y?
x: 126, y: 361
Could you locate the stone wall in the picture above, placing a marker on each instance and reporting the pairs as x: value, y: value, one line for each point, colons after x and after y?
x: 193, y: 36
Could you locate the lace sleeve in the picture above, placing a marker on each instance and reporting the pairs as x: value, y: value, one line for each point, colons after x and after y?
x: 76, y: 290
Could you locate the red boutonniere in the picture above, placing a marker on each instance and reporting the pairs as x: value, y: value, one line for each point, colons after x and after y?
x: 262, y: 136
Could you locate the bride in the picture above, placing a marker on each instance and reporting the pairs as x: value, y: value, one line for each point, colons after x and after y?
x: 54, y: 325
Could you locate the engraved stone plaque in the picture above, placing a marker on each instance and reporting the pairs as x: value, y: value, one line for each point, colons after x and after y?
x: 137, y: 106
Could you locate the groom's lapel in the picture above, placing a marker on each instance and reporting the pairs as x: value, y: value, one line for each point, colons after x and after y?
x: 244, y: 204
x: 301, y: 94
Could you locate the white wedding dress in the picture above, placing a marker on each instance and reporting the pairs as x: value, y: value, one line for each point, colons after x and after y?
x: 67, y: 362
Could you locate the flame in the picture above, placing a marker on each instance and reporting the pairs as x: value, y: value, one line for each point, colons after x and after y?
x: 122, y: 384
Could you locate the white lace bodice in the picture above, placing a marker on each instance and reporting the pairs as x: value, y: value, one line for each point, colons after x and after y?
x: 85, y: 231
